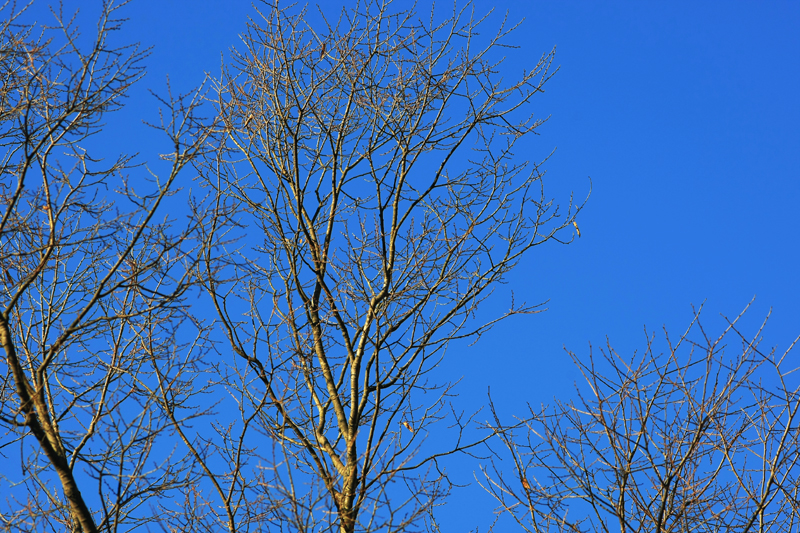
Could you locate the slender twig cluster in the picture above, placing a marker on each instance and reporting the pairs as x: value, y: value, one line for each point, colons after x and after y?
x: 702, y: 437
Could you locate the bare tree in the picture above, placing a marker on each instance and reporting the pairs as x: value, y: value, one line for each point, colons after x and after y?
x: 367, y: 197
x: 92, y: 283
x: 704, y: 437
x: 364, y: 197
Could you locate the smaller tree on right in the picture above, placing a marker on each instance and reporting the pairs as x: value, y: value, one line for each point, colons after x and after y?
x: 703, y: 437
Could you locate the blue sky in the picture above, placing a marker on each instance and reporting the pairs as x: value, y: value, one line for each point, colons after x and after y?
x: 685, y: 116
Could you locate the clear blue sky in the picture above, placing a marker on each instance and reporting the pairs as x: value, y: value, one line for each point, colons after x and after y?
x: 686, y: 117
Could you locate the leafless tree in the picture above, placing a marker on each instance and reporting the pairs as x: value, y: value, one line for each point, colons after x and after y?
x: 704, y: 437
x: 92, y: 286
x: 364, y: 195
x: 368, y: 194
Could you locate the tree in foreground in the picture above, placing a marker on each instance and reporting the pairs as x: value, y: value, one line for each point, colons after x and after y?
x: 363, y: 196
x: 704, y: 437
x: 368, y: 195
